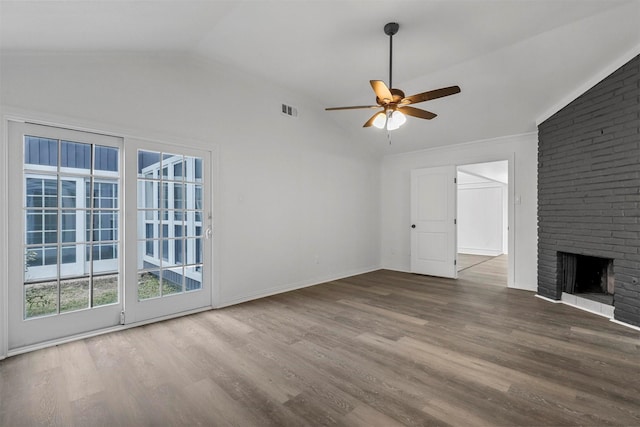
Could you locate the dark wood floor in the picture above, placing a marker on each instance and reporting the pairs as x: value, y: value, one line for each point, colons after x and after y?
x: 379, y: 349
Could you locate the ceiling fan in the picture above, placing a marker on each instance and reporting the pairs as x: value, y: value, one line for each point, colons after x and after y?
x: 392, y: 101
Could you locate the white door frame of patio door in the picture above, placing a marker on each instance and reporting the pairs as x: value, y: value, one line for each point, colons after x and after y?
x: 142, y: 311
x: 25, y: 332
x: 433, y: 221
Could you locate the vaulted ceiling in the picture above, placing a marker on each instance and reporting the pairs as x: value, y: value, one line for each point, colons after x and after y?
x: 514, y: 60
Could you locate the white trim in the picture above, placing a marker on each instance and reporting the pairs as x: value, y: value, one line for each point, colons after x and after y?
x: 479, y: 251
x: 584, y: 87
x: 625, y: 324
x: 468, y: 143
x: 4, y: 242
x: 96, y: 333
x: 17, y: 114
x: 555, y: 301
x: 293, y: 286
x: 611, y: 319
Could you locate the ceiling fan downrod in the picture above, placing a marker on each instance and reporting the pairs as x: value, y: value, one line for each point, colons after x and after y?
x: 390, y: 29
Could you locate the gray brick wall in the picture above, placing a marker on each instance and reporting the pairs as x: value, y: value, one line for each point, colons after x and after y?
x: 589, y: 186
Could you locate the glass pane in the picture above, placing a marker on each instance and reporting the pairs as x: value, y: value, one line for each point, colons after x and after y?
x: 68, y: 225
x: 40, y: 151
x: 178, y: 196
x: 151, y: 248
x: 68, y: 193
x: 169, y: 163
x: 177, y: 251
x: 150, y: 261
x: 165, y: 199
x: 193, y: 251
x: 105, y: 290
x: 35, y: 192
x: 105, y: 226
x: 148, y: 162
x: 68, y: 254
x: 165, y: 249
x: 40, y: 299
x: 194, y: 196
x: 71, y: 261
x: 105, y: 194
x: 148, y: 195
x: 193, y: 169
x: 106, y: 159
x: 177, y: 170
x: 41, y: 192
x: 74, y: 294
x: 148, y: 284
x: 102, y: 252
x: 148, y: 224
x: 172, y: 279
x: 40, y: 263
x: 193, y: 278
x: 75, y: 155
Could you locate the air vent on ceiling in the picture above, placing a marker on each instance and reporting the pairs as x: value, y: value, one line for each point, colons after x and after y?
x: 290, y: 111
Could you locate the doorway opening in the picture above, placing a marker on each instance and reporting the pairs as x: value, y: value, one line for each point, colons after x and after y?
x: 483, y: 219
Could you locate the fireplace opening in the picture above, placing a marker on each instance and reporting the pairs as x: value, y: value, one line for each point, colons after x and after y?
x: 587, y: 276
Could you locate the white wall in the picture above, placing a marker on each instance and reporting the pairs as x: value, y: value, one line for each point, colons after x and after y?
x: 520, y: 150
x: 481, y: 224
x: 297, y: 202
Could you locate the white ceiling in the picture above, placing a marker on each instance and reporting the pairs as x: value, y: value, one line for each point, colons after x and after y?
x: 512, y: 59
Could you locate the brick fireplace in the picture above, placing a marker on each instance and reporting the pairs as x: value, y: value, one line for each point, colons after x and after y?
x: 589, y: 192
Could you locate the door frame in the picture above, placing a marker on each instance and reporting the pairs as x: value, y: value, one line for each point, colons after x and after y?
x: 511, y: 204
x: 12, y: 113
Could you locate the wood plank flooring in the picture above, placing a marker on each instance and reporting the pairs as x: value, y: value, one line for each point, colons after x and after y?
x: 378, y: 349
x: 468, y: 260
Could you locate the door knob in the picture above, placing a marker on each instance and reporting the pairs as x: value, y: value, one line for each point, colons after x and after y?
x: 413, y: 226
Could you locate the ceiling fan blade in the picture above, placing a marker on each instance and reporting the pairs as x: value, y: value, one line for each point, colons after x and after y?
x: 355, y: 107
x: 382, y: 91
x: 432, y: 94
x: 416, y: 112
x: 371, y: 120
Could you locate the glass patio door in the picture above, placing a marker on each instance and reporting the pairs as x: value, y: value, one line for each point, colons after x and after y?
x: 169, y: 271
x: 64, y: 232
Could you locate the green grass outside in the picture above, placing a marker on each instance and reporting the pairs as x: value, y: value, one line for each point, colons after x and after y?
x: 42, y: 299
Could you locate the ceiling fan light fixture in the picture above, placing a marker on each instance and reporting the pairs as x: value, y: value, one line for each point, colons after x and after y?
x: 380, y: 121
x: 396, y: 119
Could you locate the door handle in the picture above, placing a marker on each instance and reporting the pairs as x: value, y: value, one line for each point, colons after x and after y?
x: 413, y: 226
x: 208, y: 233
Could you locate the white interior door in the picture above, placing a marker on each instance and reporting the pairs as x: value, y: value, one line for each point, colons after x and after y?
x: 64, y: 227
x: 169, y: 266
x: 433, y: 228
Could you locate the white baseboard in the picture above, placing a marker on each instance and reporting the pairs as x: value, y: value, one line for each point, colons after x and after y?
x: 592, y: 307
x: 555, y: 301
x: 484, y: 252
x: 84, y: 335
x: 625, y: 324
x: 292, y: 287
